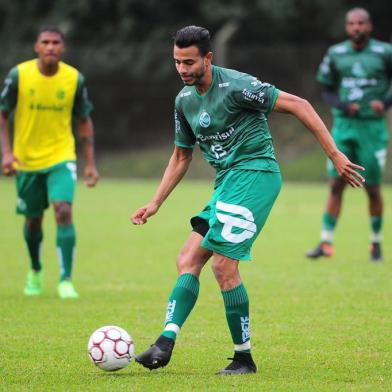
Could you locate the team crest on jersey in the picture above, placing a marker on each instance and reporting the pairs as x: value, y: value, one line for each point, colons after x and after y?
x: 358, y: 70
x: 60, y: 94
x: 204, y: 120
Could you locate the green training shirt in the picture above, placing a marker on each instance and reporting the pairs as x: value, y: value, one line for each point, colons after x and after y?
x: 359, y: 76
x: 228, y: 122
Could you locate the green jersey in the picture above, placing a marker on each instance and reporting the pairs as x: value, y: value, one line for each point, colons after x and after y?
x: 228, y: 122
x: 359, y: 76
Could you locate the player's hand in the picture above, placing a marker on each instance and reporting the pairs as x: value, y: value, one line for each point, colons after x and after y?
x: 142, y: 214
x: 352, y: 109
x: 91, y: 175
x: 8, y: 163
x: 377, y: 106
x: 348, y: 170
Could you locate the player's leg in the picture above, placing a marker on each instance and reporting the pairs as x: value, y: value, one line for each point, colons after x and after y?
x: 329, y: 219
x: 372, y: 143
x: 31, y: 202
x: 61, y: 182
x: 236, y: 303
x: 376, y: 221
x: 240, y: 211
x: 184, y: 295
x: 344, y: 134
x: 32, y: 232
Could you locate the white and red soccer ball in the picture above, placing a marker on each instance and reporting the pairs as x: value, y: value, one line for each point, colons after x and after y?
x: 111, y: 348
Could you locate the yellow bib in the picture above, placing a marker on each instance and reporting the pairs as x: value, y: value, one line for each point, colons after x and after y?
x: 43, y: 114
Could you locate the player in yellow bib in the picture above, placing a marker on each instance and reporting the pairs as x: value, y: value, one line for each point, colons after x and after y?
x: 44, y: 95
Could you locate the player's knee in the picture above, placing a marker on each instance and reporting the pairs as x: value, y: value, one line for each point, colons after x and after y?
x: 63, y: 212
x: 373, y: 193
x: 337, y: 188
x: 225, y: 272
x: 34, y: 223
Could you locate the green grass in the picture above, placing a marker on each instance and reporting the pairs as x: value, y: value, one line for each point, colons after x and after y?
x: 316, y: 326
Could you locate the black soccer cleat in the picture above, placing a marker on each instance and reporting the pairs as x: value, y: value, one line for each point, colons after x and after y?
x: 242, y: 363
x: 158, y: 355
x: 323, y: 249
x: 375, y: 252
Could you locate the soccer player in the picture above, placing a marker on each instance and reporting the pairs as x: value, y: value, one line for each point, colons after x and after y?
x: 356, y: 76
x: 225, y: 113
x: 44, y: 94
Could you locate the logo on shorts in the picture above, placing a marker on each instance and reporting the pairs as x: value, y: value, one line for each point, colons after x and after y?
x: 205, y: 120
x: 21, y: 204
x: 244, y: 222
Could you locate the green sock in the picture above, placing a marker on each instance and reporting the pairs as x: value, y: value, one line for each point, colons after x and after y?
x: 33, y: 240
x: 237, y: 314
x: 180, y: 304
x: 328, y: 227
x: 66, y: 239
x: 376, y: 225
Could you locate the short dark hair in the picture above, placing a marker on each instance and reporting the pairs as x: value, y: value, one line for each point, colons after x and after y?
x: 193, y: 35
x: 51, y: 29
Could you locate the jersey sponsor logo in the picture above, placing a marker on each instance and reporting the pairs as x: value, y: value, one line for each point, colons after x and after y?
x: 251, y: 96
x: 216, y: 136
x: 245, y: 221
x: 187, y: 94
x: 245, y: 328
x: 41, y: 107
x: 205, y: 120
x: 225, y: 84
x: 349, y: 82
x: 171, y: 306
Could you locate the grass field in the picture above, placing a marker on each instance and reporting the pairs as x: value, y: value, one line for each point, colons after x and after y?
x: 316, y: 326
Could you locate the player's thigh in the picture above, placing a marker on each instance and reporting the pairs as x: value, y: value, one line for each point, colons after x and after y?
x: 193, y: 256
x: 32, y: 197
x: 239, y: 211
x: 61, y: 182
x: 342, y: 133
x: 372, y: 150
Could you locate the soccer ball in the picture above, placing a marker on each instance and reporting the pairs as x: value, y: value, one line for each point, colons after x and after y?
x: 111, y: 348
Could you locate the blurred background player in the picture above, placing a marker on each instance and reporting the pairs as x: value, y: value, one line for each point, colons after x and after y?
x: 44, y: 95
x: 225, y: 112
x: 356, y: 76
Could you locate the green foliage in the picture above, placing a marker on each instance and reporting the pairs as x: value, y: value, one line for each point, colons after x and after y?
x: 316, y: 326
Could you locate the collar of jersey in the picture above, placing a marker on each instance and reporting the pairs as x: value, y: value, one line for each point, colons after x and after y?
x: 211, y: 85
x: 365, y: 49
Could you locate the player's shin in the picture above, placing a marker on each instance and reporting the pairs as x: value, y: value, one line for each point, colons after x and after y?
x: 66, y: 239
x: 180, y: 304
x: 237, y: 314
x: 33, y: 238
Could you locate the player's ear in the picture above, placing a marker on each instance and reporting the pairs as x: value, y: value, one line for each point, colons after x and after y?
x: 208, y: 57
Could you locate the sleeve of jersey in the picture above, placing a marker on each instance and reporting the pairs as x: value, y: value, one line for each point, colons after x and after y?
x: 9, y: 92
x: 184, y: 137
x: 250, y: 93
x: 325, y: 73
x: 82, y: 104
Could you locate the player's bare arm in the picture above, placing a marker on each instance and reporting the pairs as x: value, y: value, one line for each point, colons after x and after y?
x: 8, y: 158
x: 304, y: 111
x: 174, y: 172
x: 86, y: 134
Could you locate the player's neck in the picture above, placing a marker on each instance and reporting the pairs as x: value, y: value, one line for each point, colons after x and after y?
x: 205, y: 83
x: 360, y: 45
x: 47, y: 69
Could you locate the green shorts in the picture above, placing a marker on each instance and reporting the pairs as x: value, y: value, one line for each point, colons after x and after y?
x: 37, y: 188
x: 238, y: 211
x: 364, y: 141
